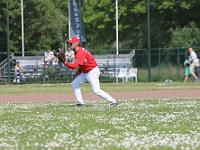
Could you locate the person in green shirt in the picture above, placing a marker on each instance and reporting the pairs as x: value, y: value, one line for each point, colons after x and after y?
x: 186, y: 70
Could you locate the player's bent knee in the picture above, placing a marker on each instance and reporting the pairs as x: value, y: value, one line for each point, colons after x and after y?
x: 74, y: 85
x: 98, y: 92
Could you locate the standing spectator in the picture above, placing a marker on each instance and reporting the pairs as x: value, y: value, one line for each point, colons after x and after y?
x: 87, y: 71
x: 48, y: 58
x: 194, y: 62
x: 17, y: 72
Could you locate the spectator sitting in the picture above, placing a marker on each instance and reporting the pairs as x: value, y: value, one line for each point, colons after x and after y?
x: 17, y: 72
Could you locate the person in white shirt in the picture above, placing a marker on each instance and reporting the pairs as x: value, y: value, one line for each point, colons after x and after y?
x: 18, y: 69
x: 194, y: 62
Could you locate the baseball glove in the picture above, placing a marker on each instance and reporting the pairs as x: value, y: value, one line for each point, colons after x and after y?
x: 60, y: 54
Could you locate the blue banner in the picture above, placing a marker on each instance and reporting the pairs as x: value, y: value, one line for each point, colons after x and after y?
x: 75, y: 26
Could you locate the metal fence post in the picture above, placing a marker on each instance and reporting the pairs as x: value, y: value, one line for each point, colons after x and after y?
x: 178, y: 62
x: 159, y: 64
x: 134, y: 58
x: 115, y: 66
x: 8, y: 41
x: 149, y: 40
x: 44, y: 71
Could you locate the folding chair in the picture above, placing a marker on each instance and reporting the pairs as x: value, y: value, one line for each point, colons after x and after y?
x: 122, y: 74
x: 132, y: 73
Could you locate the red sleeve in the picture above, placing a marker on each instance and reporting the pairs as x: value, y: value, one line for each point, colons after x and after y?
x: 72, y: 66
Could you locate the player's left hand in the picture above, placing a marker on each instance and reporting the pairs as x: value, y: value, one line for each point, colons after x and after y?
x: 60, y: 54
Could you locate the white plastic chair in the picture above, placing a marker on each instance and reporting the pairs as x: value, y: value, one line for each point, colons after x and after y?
x: 132, y: 73
x: 122, y: 74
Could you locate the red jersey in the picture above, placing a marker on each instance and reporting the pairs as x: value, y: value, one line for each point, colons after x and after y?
x: 84, y: 60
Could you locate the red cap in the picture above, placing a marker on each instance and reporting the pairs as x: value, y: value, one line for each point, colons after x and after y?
x: 73, y: 40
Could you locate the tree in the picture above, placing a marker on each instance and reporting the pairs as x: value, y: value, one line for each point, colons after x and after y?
x: 188, y: 36
x: 46, y: 21
x: 43, y: 25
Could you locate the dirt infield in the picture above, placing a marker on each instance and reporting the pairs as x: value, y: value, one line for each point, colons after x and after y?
x: 62, y: 97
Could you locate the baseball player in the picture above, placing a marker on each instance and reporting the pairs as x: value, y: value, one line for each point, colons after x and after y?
x: 88, y: 70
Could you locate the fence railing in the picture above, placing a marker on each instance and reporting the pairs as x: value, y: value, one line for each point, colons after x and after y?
x: 4, y: 68
x: 166, y: 63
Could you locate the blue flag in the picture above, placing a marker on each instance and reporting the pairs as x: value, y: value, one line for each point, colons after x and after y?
x: 75, y: 26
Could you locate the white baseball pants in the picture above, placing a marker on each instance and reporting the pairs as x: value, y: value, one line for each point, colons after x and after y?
x: 93, y: 79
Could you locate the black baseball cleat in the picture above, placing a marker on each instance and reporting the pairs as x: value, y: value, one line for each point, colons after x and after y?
x: 79, y: 105
x: 114, y: 104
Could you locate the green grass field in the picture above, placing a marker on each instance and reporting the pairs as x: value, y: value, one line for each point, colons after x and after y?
x: 151, y: 124
x: 134, y: 124
x: 66, y: 87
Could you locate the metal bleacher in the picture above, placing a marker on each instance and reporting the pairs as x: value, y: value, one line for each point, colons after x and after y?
x: 32, y: 65
x: 110, y: 64
x: 4, y: 70
x: 35, y: 66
